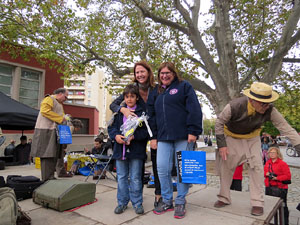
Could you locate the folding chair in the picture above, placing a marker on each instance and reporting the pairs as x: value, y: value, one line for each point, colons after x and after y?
x: 100, y: 161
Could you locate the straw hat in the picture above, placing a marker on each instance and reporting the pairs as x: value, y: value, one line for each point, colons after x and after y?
x: 261, y: 92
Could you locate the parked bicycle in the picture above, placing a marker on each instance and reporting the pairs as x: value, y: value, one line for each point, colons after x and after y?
x: 291, y: 151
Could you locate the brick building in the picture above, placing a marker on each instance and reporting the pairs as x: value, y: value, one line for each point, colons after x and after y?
x: 28, y: 81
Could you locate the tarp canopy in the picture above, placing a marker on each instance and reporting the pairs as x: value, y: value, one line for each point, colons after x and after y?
x: 15, y: 115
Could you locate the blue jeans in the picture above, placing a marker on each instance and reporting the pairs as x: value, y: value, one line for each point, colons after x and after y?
x: 130, y: 189
x: 165, y: 154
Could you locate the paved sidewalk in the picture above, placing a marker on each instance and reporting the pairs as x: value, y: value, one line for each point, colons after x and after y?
x: 200, y: 208
x: 293, y: 198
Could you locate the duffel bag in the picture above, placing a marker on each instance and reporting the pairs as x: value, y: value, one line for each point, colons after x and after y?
x: 23, y: 185
x: 8, y: 206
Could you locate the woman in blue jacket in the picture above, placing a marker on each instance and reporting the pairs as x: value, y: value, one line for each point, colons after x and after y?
x: 176, y: 121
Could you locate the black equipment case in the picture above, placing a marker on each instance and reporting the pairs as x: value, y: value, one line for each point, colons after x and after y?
x: 2, y: 165
x: 2, y: 182
x: 23, y: 185
x: 64, y: 194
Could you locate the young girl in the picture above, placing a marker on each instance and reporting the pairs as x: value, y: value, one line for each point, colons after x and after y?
x: 129, y: 155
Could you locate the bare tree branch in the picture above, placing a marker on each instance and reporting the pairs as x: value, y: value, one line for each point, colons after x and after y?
x: 248, y: 77
x: 73, y: 40
x: 290, y: 27
x: 286, y: 60
x: 197, y: 41
x: 294, y: 39
x: 185, y: 14
x: 200, y: 85
x: 195, y: 12
x: 291, y: 60
x: 88, y: 60
x: 193, y: 59
x: 284, y: 44
x: 244, y: 58
x: 188, y: 5
x: 145, y: 48
x: 225, y: 47
x: 158, y: 19
x: 207, y: 91
x: 115, y: 70
x: 262, y: 25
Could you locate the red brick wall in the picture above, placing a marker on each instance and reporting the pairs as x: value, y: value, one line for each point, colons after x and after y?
x: 52, y: 77
x: 53, y: 81
x: 86, y: 112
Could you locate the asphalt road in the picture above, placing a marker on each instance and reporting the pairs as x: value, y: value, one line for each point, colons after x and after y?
x: 291, y: 161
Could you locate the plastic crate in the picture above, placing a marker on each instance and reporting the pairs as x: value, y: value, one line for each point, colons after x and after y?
x: 37, y: 162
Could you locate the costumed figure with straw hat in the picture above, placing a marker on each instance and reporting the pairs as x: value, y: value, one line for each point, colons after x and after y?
x: 238, y: 129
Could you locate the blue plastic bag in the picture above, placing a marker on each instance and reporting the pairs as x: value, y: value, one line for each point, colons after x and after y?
x: 65, y: 135
x: 87, y: 170
x: 191, y: 167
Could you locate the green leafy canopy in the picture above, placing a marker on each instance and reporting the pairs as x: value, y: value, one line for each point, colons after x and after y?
x: 231, y: 45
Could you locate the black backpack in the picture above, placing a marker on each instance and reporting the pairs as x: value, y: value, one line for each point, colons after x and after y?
x: 209, y: 143
x: 2, y: 182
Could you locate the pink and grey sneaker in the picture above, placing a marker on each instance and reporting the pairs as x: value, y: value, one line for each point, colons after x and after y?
x: 179, y: 211
x: 162, y: 208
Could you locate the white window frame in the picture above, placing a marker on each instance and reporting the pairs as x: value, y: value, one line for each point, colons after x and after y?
x: 11, y: 75
x: 16, y: 79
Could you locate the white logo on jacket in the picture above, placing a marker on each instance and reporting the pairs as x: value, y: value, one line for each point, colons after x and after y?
x: 173, y: 91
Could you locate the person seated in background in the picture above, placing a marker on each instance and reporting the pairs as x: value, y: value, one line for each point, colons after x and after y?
x: 22, y: 151
x: 97, y: 150
x: 2, y: 138
x: 10, y: 149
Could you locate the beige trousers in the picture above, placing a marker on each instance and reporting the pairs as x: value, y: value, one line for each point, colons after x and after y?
x: 242, y: 151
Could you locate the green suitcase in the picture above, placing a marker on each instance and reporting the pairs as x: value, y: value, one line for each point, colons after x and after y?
x: 64, y: 194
